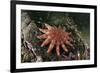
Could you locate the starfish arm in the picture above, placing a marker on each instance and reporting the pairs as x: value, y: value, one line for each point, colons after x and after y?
x: 47, y: 41
x: 58, y: 50
x: 51, y: 46
x: 48, y: 26
x: 64, y: 48
x: 42, y: 36
x: 43, y: 30
x: 67, y: 39
x: 68, y: 33
x: 68, y: 43
x: 70, y: 39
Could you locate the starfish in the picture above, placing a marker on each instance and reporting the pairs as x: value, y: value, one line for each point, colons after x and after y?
x: 56, y: 37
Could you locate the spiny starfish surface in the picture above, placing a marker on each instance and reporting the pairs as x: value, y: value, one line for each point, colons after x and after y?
x: 56, y: 37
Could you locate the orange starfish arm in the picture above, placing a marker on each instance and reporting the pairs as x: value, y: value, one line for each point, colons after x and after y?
x: 68, y: 43
x: 48, y: 26
x: 43, y: 30
x: 51, y: 46
x: 42, y: 36
x: 58, y: 50
x: 64, y: 48
x: 47, y: 41
x: 70, y: 39
x: 68, y: 33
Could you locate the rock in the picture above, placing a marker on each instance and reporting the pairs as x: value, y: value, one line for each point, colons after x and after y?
x: 29, y: 31
x: 25, y: 20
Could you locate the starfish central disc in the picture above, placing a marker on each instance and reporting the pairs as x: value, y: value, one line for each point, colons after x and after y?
x: 56, y: 37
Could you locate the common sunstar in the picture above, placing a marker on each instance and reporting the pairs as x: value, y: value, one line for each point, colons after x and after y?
x: 57, y: 38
